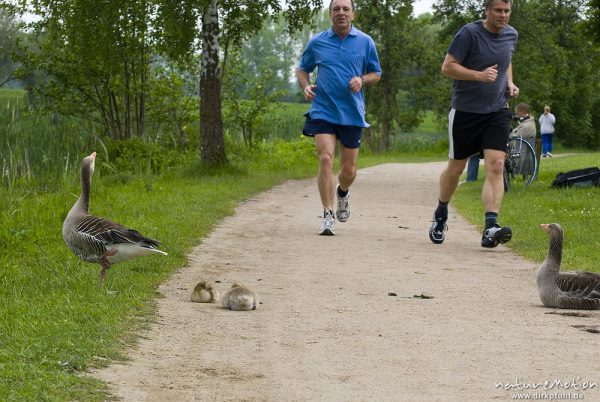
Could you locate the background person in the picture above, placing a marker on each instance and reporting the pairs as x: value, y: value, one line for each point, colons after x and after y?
x: 547, y: 121
x: 347, y: 60
x: 526, y: 127
x: 479, y: 60
x: 473, y: 168
x: 526, y: 130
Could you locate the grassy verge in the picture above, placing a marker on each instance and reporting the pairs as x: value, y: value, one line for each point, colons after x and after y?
x: 524, y: 209
x: 55, y: 322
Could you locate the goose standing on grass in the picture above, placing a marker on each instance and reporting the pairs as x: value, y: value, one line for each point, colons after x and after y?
x: 569, y: 290
x: 101, y: 240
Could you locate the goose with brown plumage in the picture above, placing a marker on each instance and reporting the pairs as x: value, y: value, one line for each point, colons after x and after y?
x: 101, y: 240
x: 568, y: 290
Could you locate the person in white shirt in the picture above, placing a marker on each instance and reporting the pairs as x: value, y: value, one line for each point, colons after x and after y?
x: 547, y: 121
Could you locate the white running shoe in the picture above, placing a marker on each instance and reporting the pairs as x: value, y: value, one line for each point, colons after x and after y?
x: 328, y: 225
x: 343, y: 206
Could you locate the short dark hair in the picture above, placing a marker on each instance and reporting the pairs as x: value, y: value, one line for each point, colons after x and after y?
x: 488, y: 3
x: 351, y: 2
x: 523, y: 107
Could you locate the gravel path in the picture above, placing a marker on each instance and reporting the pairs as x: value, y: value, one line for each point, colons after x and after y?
x: 328, y: 328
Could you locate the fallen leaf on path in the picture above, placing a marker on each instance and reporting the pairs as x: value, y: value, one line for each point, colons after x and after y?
x: 570, y: 313
x: 589, y: 328
x: 423, y: 296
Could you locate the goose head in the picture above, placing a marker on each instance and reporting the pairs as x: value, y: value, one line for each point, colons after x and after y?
x: 553, y: 229
x: 87, y: 171
x: 556, y: 234
x: 87, y: 167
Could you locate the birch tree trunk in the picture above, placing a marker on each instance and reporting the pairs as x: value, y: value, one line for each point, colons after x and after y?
x: 212, y: 142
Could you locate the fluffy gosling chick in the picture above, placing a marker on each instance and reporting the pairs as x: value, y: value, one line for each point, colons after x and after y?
x: 239, y: 298
x: 204, y: 293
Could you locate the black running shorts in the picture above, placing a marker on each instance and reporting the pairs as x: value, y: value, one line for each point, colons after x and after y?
x: 470, y: 133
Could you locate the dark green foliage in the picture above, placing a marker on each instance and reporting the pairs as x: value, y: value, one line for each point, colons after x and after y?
x: 593, y: 22
x: 9, y: 34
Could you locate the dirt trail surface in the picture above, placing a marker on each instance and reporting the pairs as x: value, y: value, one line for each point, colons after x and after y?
x: 329, y: 330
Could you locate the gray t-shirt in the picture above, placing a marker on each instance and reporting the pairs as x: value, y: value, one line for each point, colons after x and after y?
x: 476, y: 48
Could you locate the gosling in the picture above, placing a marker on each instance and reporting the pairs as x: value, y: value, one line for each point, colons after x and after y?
x: 204, y: 293
x: 239, y: 298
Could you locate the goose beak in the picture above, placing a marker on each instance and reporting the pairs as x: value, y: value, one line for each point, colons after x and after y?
x: 545, y: 226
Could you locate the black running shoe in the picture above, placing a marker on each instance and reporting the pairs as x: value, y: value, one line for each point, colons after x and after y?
x: 437, y: 231
x: 495, y: 235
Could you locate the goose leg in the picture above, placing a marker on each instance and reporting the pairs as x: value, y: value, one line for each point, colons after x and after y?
x: 105, y: 264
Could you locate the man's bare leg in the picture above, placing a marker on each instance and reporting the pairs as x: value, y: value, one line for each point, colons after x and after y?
x: 448, y: 183
x: 326, y: 180
x: 346, y: 177
x: 491, y: 195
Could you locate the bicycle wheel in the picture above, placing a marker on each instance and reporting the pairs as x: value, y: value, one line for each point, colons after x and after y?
x: 521, y: 164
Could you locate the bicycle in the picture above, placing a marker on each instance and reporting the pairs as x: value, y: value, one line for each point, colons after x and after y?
x: 520, y: 165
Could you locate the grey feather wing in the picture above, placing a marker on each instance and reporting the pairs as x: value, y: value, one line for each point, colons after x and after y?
x: 580, y: 285
x: 107, y: 232
x: 578, y: 303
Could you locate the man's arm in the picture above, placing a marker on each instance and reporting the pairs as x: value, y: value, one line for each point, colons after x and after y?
x: 357, y: 83
x: 304, y: 82
x: 513, y: 90
x: 453, y: 69
x: 303, y: 78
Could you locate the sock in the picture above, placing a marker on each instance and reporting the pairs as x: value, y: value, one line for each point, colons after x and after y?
x: 491, y: 219
x: 341, y: 192
x: 441, y: 212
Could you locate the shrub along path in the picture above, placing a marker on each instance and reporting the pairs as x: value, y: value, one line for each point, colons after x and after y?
x: 330, y: 327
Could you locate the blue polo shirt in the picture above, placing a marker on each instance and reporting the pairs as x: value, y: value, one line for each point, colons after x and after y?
x: 337, y: 61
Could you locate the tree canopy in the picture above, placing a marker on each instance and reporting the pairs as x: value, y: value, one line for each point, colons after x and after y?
x: 134, y: 66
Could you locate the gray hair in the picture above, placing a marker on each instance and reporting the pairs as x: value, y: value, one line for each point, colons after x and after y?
x: 487, y: 4
x: 351, y: 2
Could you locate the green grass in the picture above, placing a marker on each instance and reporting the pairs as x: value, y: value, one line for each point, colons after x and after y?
x: 55, y: 322
x: 10, y: 98
x: 524, y: 209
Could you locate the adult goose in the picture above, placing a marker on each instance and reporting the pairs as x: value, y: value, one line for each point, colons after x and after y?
x: 101, y: 240
x: 569, y: 290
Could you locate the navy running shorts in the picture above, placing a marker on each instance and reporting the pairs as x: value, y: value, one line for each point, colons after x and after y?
x: 349, y: 136
x: 470, y: 133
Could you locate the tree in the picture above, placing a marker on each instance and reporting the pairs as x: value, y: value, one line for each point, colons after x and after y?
x: 228, y: 22
x: 97, y: 55
x: 593, y: 24
x: 556, y: 64
x: 248, y: 96
x: 212, y: 141
x: 8, y: 39
x: 404, y: 48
